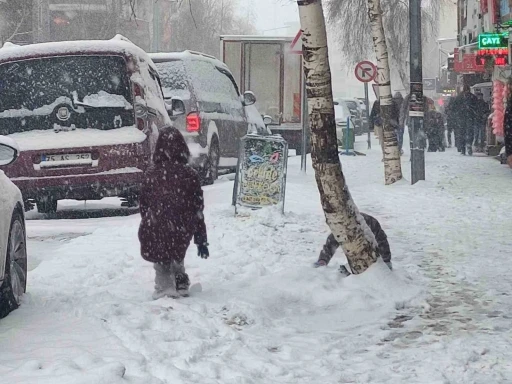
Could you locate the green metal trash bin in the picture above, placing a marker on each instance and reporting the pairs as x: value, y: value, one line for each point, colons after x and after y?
x: 348, y: 139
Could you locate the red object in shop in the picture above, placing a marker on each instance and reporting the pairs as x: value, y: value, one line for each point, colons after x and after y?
x: 495, y: 10
x: 484, y: 6
x: 468, y: 64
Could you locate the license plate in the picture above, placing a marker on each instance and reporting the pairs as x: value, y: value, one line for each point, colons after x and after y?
x: 65, y: 158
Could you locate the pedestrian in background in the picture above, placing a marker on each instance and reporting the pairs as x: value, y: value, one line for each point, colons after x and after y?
x: 171, y: 207
x: 482, y: 113
x: 450, y: 122
x: 434, y: 129
x: 376, y: 122
x: 406, y: 121
x: 398, y: 101
x: 465, y: 109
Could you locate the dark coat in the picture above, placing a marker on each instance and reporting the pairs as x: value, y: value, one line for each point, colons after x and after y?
x: 376, y: 119
x: 465, y: 109
x: 482, y: 112
x: 332, y: 245
x: 171, y: 202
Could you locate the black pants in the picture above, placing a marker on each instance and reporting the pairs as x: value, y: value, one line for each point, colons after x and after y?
x: 466, y: 137
x: 449, y: 132
x: 480, y: 135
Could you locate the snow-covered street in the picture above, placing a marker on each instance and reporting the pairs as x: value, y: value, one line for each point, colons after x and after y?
x: 264, y: 315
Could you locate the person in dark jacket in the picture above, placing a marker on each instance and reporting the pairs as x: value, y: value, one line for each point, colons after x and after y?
x: 375, y: 122
x: 406, y: 121
x: 434, y: 129
x: 398, y: 101
x: 482, y: 113
x: 450, y: 121
x: 465, y: 107
x: 171, y: 207
x: 331, y: 245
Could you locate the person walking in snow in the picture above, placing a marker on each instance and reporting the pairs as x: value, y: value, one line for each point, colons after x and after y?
x: 434, y: 129
x: 171, y: 207
x: 331, y: 245
x: 465, y: 108
x: 450, y: 122
x: 398, y: 101
x: 375, y: 122
x: 482, y: 113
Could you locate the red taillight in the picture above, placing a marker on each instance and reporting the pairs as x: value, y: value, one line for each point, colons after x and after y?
x: 138, y: 91
x: 141, y: 124
x: 193, y: 122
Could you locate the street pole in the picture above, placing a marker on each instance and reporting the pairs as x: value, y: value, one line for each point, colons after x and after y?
x: 367, y: 102
x: 416, y: 102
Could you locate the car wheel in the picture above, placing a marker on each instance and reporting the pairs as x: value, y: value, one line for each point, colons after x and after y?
x: 47, y: 205
x: 212, y: 164
x: 15, y: 278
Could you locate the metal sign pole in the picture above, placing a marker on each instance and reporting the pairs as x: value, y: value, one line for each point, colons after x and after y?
x: 347, y: 137
x: 416, y: 102
x: 305, y: 125
x: 367, y: 102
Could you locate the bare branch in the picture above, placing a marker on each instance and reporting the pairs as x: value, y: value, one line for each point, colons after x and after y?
x: 192, y: 13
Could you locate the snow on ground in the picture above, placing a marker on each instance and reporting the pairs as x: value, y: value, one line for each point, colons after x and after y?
x: 264, y: 314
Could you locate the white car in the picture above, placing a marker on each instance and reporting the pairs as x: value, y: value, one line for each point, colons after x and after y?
x: 342, y: 115
x: 13, y: 241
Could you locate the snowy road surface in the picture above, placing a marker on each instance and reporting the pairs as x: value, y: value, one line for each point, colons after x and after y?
x: 265, y: 315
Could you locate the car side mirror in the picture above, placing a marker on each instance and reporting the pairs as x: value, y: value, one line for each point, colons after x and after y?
x: 249, y: 99
x: 9, y: 151
x: 177, y: 107
x: 267, y: 120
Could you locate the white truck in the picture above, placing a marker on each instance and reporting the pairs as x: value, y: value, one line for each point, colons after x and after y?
x: 268, y: 67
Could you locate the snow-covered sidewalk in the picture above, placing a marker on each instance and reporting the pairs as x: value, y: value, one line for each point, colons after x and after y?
x: 265, y: 315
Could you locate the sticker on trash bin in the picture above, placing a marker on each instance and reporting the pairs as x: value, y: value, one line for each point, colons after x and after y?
x: 261, y: 173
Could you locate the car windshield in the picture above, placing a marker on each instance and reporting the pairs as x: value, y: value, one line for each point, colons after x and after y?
x: 351, y: 104
x: 174, y: 79
x: 95, y: 90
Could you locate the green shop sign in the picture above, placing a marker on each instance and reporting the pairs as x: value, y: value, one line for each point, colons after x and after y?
x: 492, y: 40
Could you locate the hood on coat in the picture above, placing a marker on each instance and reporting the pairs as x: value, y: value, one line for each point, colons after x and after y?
x: 171, y: 147
x: 398, y: 96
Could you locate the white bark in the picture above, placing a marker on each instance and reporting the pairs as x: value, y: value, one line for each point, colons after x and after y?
x: 341, y: 213
x: 392, y: 165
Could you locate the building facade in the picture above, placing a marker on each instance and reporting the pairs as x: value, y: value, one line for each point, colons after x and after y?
x: 482, y: 57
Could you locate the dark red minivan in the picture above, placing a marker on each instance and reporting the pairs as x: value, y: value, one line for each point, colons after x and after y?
x: 85, y: 115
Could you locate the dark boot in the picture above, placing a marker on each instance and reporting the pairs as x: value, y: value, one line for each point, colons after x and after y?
x: 182, y: 283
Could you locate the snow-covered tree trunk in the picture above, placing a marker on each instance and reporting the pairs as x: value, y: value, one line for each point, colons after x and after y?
x: 392, y: 165
x: 341, y: 213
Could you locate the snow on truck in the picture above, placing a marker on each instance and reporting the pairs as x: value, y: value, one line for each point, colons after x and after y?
x: 268, y: 67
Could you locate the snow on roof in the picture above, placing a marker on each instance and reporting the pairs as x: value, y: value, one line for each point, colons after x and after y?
x: 117, y: 45
x: 256, y: 38
x: 185, y: 55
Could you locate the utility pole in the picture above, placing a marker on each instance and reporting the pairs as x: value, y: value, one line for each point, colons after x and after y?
x: 156, y: 26
x: 416, y: 102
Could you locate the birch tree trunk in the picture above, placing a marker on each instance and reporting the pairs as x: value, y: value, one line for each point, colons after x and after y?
x: 341, y: 213
x: 392, y: 165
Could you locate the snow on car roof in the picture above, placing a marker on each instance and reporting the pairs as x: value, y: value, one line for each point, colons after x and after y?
x: 186, y: 55
x: 117, y: 45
